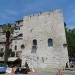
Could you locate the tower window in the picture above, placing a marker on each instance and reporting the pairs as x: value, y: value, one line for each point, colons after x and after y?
x: 34, y: 46
x: 34, y: 42
x: 50, y: 42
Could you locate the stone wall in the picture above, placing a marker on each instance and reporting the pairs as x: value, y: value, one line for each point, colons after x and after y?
x: 42, y: 27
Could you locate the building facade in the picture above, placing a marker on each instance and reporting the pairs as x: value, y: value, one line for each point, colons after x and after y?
x: 2, y: 43
x: 44, y: 40
x: 17, y: 43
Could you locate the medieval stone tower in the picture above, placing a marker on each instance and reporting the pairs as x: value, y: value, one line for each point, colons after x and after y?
x: 44, y: 39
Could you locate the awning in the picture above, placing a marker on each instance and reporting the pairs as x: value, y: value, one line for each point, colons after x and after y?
x: 12, y: 58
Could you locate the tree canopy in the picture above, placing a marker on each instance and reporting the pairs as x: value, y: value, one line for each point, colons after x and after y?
x: 70, y: 36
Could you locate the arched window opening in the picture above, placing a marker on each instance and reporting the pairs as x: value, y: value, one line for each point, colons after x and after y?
x: 34, y: 42
x: 22, y: 46
x: 34, y: 46
x: 50, y: 42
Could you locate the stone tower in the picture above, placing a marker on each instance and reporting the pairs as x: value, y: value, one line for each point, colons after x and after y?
x: 45, y: 41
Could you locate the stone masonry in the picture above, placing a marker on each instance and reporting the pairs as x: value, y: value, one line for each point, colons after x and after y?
x: 44, y: 40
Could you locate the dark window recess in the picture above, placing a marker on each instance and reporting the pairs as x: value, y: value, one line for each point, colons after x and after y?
x: 17, y: 28
x: 1, y: 50
x: 34, y: 47
x: 20, y: 35
x: 37, y: 58
x: 31, y: 30
x: 65, y: 45
x: 17, y: 54
x: 43, y: 59
x: 15, y: 47
x: 50, y: 42
x: 22, y: 46
x: 12, y: 54
x: 34, y: 42
x: 9, y: 52
x: 1, y: 54
x: 18, y: 22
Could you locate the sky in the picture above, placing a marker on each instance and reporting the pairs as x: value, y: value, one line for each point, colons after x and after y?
x: 12, y: 10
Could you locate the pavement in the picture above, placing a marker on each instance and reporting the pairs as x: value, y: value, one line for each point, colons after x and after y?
x: 44, y: 73
x: 64, y: 72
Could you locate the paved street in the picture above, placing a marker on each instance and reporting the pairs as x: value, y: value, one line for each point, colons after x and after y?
x: 54, y: 73
x: 46, y: 73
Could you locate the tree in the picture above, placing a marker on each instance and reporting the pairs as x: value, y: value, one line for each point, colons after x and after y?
x: 70, y: 36
x: 7, y: 46
x: 7, y: 29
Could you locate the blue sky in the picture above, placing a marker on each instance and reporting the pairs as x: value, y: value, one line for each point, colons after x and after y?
x: 12, y: 10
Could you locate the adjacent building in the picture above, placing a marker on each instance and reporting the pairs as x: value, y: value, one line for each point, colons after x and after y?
x: 17, y: 39
x: 2, y: 43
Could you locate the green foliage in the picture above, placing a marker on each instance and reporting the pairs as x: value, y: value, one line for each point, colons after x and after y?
x: 7, y: 27
x: 70, y: 36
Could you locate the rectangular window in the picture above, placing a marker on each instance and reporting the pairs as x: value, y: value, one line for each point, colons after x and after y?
x: 12, y: 54
x: 1, y: 50
x: 15, y: 47
x: 43, y: 59
x: 18, y: 53
x: 50, y: 42
x: 1, y: 54
x: 17, y: 28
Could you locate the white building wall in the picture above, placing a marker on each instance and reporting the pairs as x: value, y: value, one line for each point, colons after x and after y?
x: 2, y: 43
x: 18, y: 41
x: 41, y: 27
